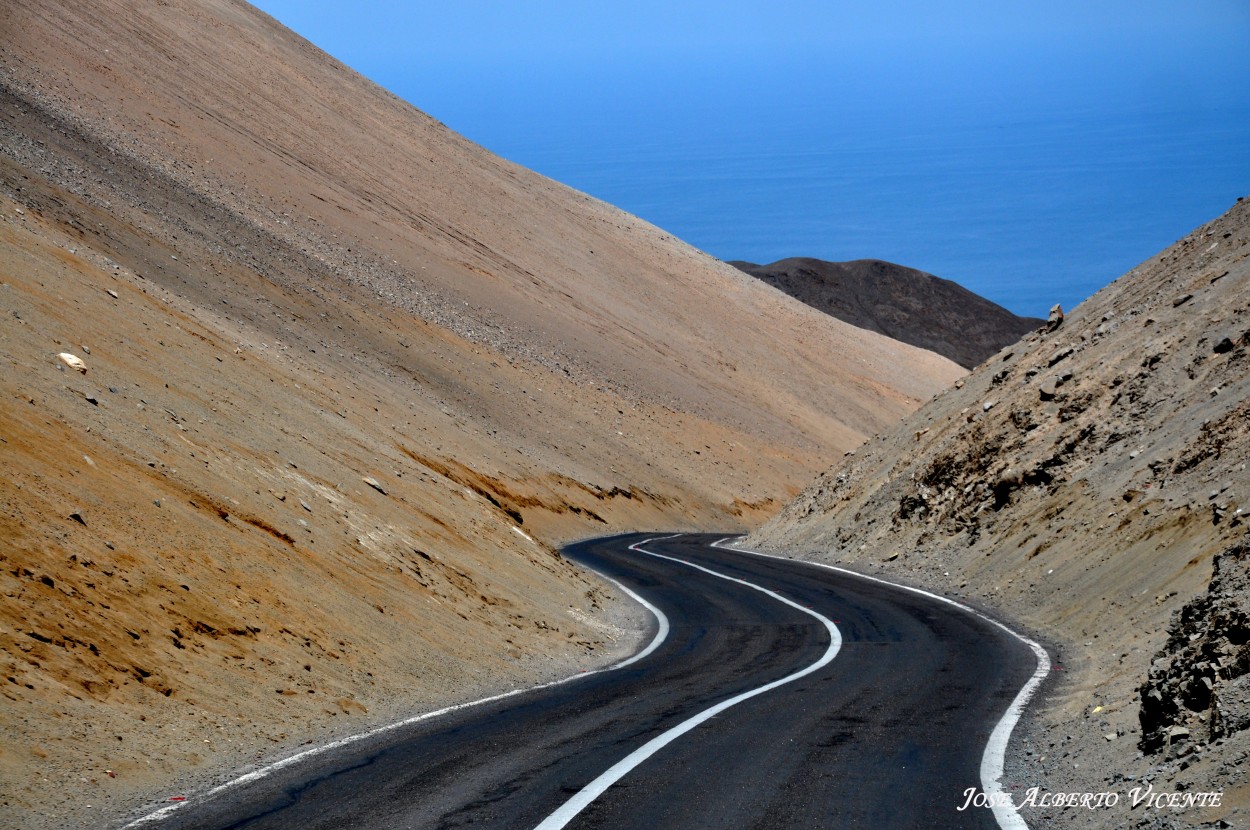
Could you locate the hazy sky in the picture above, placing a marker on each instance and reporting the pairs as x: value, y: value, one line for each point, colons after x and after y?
x: 1032, y: 151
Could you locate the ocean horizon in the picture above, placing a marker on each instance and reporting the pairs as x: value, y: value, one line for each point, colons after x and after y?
x: 1028, y: 213
x: 1031, y: 154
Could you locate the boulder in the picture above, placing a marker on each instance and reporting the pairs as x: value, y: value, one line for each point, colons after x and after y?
x: 1056, y: 317
x: 73, y: 361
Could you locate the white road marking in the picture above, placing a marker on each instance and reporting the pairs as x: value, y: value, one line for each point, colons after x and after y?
x: 992, y: 760
x: 660, y: 636
x: 256, y: 775
x: 567, y: 811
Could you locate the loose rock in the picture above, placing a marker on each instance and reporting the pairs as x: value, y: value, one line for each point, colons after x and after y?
x: 73, y: 361
x: 1058, y: 356
x: 1056, y: 317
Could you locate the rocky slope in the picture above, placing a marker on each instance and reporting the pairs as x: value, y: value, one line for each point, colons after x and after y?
x: 1196, y: 692
x: 901, y: 303
x: 1080, y: 482
x: 348, y: 379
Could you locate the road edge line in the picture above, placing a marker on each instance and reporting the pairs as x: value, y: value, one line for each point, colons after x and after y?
x: 264, y: 772
x: 994, y: 758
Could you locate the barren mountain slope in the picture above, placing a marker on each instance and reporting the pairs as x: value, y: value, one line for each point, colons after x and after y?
x: 348, y: 377
x: 899, y: 302
x: 1081, y: 481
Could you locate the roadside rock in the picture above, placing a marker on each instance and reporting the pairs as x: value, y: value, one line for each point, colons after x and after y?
x: 1198, y: 689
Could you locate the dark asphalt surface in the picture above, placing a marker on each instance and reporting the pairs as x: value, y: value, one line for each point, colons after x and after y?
x: 888, y: 735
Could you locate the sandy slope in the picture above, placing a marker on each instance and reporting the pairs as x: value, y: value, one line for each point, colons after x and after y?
x: 1081, y: 482
x: 283, y: 281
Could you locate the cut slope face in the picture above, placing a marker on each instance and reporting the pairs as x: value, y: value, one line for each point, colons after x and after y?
x: 1080, y: 481
x: 282, y: 281
x: 899, y: 302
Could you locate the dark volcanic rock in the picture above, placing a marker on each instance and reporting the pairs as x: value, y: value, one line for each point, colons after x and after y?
x: 1199, y: 687
x: 899, y: 302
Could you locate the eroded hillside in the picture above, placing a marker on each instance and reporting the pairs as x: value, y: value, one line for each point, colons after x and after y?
x: 348, y: 379
x: 1081, y: 482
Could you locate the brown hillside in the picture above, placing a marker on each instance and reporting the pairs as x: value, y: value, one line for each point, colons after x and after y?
x: 1081, y: 482
x: 284, y: 281
x: 899, y: 302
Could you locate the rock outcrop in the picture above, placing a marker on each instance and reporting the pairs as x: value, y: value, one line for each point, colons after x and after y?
x: 1198, y: 689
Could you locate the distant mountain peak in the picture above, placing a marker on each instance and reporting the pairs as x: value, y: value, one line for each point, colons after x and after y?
x: 900, y: 302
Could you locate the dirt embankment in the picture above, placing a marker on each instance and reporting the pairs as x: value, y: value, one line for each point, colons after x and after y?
x: 1081, y: 482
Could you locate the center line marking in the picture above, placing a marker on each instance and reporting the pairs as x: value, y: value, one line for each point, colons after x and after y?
x: 994, y: 757
x: 569, y: 810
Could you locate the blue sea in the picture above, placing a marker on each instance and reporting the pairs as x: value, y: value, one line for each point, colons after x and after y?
x: 1030, y: 193
x: 1032, y: 152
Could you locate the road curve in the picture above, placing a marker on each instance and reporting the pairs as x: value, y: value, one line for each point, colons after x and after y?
x: 888, y: 733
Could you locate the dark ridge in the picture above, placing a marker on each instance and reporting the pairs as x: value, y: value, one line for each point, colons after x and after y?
x: 903, y: 303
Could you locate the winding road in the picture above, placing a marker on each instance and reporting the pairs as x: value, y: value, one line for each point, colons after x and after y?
x: 781, y: 695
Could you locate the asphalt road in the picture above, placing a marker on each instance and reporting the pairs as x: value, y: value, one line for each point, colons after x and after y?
x: 889, y: 734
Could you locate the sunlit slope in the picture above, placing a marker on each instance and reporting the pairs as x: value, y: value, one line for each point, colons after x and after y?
x: 283, y: 281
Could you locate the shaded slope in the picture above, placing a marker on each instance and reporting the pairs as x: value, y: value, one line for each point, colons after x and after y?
x: 899, y: 302
x: 283, y: 281
x: 1081, y: 481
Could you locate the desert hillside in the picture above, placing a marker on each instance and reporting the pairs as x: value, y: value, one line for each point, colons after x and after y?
x: 901, y: 303
x: 1082, y: 482
x: 300, y: 390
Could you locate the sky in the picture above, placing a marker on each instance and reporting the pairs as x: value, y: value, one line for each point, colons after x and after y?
x: 1030, y: 151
